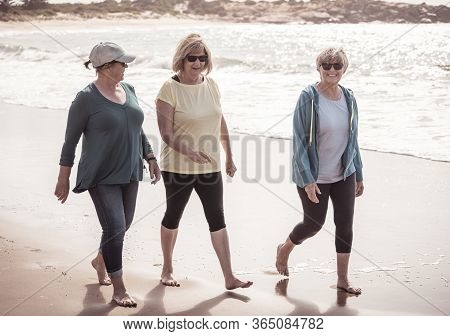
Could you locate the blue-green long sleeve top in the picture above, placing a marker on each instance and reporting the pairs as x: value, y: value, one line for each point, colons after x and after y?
x: 114, y: 143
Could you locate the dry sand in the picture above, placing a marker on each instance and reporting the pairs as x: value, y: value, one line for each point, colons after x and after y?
x: 401, y: 225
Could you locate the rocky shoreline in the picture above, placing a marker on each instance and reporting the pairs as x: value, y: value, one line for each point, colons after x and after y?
x: 278, y: 12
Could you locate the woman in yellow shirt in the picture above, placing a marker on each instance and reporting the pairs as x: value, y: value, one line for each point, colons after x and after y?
x: 192, y: 126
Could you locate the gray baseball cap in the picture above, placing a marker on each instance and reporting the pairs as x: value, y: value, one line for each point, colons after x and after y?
x: 106, y: 52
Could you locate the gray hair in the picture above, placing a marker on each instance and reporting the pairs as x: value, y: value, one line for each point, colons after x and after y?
x: 332, y: 55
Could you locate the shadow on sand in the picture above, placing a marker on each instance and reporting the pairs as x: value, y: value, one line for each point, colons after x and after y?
x: 95, y: 304
x: 305, y: 308
x: 154, y: 303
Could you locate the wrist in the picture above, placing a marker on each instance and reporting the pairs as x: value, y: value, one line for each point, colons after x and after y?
x: 63, y: 179
x: 150, y: 157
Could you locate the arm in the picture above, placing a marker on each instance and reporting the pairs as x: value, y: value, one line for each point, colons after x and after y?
x: 226, y: 144
x: 301, y: 134
x: 302, y: 130
x: 165, y: 114
x: 76, y: 123
x: 153, y: 168
x: 147, y: 150
x: 63, y: 184
x: 357, y: 161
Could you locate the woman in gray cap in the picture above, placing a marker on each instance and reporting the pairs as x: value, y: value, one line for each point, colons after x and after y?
x: 107, y: 114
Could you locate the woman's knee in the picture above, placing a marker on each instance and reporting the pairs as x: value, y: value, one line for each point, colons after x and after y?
x: 303, y: 231
x: 213, y: 227
x: 169, y: 222
x: 115, y: 234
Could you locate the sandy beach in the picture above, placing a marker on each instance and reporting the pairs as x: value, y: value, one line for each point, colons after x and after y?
x: 401, y: 246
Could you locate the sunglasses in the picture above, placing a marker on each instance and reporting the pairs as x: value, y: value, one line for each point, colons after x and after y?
x: 111, y: 63
x: 121, y: 63
x: 192, y: 59
x: 336, y: 66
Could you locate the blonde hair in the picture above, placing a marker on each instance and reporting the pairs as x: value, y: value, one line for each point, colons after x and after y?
x: 332, y: 54
x: 191, y: 43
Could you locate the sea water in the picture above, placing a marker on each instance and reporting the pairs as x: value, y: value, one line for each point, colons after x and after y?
x: 400, y: 74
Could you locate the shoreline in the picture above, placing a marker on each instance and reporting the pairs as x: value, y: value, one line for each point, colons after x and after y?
x: 267, y: 137
x: 106, y: 22
x: 277, y: 12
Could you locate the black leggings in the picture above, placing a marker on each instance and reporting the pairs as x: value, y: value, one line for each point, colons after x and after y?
x: 209, y: 188
x: 342, y: 195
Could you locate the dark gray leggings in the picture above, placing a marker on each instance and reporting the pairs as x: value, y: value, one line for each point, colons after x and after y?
x: 115, y: 205
x: 342, y: 195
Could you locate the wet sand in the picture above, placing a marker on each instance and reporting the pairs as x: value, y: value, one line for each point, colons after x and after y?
x: 401, y: 240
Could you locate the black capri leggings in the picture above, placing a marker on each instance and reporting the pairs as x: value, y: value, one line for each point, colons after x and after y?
x: 342, y: 195
x: 209, y: 188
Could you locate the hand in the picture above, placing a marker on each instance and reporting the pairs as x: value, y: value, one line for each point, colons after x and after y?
x: 311, y: 190
x: 199, y: 157
x: 230, y: 168
x: 155, y: 173
x: 62, y: 190
x: 359, y: 188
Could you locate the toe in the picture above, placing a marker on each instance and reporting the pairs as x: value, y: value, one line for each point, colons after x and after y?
x: 356, y: 291
x: 247, y: 284
x: 170, y: 283
x: 126, y: 301
x: 350, y: 289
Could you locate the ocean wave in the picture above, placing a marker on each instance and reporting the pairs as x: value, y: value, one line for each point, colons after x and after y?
x: 224, y: 62
x: 260, y: 66
x: 30, y: 54
x: 33, y: 54
x: 153, y: 62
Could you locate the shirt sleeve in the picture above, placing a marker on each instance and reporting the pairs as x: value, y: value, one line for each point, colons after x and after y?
x: 76, y: 124
x: 215, y: 88
x: 146, y: 147
x: 166, y: 94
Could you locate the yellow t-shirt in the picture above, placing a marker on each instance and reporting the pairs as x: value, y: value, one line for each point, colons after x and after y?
x: 197, y: 120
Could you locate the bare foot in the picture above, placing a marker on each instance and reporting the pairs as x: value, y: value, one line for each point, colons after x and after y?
x: 167, y: 279
x: 281, y: 261
x: 346, y: 286
x: 124, y: 300
x: 103, y: 277
x: 236, y: 283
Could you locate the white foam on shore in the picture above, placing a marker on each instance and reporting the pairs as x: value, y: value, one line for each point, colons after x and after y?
x: 371, y: 269
x: 437, y: 262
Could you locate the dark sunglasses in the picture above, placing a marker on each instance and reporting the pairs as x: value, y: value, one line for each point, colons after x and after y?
x: 111, y: 63
x: 192, y: 59
x: 122, y: 63
x: 336, y: 66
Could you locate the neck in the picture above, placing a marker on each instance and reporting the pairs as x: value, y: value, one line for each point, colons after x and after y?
x: 191, y: 80
x: 329, y: 90
x: 106, y: 83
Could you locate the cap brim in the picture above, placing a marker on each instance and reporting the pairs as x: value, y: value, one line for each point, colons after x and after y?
x: 126, y: 58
